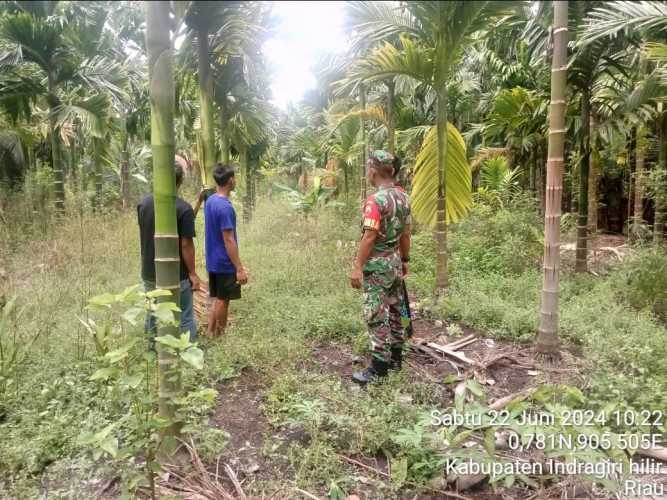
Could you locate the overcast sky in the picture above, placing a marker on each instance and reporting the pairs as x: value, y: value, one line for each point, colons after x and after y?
x: 305, y: 31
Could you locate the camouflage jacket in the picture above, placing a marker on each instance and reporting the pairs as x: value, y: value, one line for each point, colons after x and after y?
x: 386, y: 211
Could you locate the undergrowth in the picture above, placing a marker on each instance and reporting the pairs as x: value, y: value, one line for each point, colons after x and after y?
x: 299, y: 297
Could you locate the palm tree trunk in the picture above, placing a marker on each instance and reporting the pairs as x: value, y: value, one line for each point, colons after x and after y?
x: 125, y: 174
x: 362, y: 183
x: 346, y: 180
x: 542, y: 182
x: 59, y: 177
x: 640, y: 157
x: 97, y: 146
x: 167, y: 262
x: 547, y: 338
x: 593, y: 178
x: 224, y: 138
x: 206, y: 106
x: 391, y: 121
x: 247, y: 199
x: 441, y: 215
x: 661, y: 194
x: 581, y: 265
x: 532, y: 166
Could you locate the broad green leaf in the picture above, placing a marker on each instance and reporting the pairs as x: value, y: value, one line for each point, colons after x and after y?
x: 132, y: 381
x: 101, y: 435
x: 130, y: 293
x: 207, y: 394
x: 474, y: 387
x: 86, y: 438
x: 120, y: 353
x: 104, y: 373
x: 169, y: 340
x: 164, y: 315
x: 194, y: 357
x: 104, y: 300
x: 131, y: 314
x: 158, y: 293
x: 168, y: 306
x: 450, y: 379
x: 110, y: 445
x: 149, y: 356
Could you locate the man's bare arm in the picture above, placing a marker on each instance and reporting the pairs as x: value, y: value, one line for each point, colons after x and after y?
x: 200, y: 200
x: 188, y: 253
x: 233, y: 252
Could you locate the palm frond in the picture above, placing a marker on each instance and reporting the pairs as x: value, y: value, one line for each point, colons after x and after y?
x: 655, y: 51
x: 373, y: 22
x: 410, y: 59
x: 457, y: 181
x: 91, y: 113
x: 615, y: 17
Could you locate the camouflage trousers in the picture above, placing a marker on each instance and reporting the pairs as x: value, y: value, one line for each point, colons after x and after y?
x: 383, y: 300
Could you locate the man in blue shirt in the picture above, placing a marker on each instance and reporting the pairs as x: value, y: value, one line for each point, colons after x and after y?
x: 226, y: 274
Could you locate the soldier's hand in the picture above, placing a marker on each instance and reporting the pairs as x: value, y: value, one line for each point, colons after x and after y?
x: 406, y: 269
x: 355, y: 278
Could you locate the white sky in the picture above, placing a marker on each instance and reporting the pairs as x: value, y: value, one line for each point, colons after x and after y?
x: 305, y: 31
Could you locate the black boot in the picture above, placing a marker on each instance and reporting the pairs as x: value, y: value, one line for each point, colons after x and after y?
x: 375, y: 371
x: 396, y: 358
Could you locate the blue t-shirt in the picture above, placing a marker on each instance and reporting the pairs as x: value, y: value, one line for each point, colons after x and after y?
x: 219, y: 216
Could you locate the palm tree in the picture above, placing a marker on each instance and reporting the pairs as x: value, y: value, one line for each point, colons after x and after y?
x: 161, y: 76
x: 431, y: 37
x: 590, y: 62
x: 648, y: 20
x: 45, y: 44
x: 249, y: 125
x: 343, y: 144
x: 547, y: 338
x: 201, y: 18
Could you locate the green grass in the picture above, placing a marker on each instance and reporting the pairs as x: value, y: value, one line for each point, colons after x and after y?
x: 298, y: 297
x: 613, y: 316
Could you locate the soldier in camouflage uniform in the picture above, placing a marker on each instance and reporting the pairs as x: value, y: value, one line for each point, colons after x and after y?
x: 381, y: 264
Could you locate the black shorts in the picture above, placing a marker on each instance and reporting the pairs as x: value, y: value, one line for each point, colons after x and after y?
x: 224, y: 286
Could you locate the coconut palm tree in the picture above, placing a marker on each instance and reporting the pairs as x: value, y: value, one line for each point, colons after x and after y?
x: 432, y: 35
x: 547, y: 338
x: 161, y: 77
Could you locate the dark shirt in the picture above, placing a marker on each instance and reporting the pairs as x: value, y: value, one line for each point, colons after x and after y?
x: 185, y: 220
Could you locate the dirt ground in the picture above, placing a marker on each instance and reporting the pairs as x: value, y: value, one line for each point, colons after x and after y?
x: 239, y: 409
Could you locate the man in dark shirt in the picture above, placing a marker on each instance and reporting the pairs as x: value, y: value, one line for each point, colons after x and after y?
x: 226, y: 274
x: 190, y: 281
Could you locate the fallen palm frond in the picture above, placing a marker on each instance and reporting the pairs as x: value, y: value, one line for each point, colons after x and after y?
x: 198, y: 483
